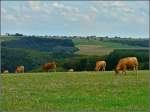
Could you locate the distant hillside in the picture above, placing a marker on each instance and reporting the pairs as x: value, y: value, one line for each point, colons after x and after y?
x: 104, y: 47
x: 33, y: 52
x: 132, y: 42
x: 78, y: 53
x: 42, y: 44
x: 113, y: 43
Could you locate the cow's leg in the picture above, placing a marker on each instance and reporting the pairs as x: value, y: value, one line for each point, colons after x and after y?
x: 136, y: 68
x: 104, y: 68
x: 124, y: 69
x: 95, y: 68
x: 98, y: 69
x: 125, y: 72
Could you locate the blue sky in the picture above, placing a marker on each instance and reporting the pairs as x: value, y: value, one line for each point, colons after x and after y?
x: 100, y: 18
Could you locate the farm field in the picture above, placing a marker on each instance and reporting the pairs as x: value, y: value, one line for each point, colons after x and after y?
x: 5, y: 38
x: 75, y: 92
x: 93, y: 50
x: 106, y: 44
x: 100, y: 48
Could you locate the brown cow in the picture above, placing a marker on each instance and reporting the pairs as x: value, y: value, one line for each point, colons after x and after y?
x: 20, y: 69
x: 49, y: 66
x: 127, y: 63
x: 100, y: 65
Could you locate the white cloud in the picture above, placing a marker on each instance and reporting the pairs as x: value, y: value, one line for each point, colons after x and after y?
x: 118, y: 3
x: 94, y: 9
x: 3, y: 10
x: 15, y: 15
x: 10, y: 18
x: 76, y: 9
x: 127, y: 12
x: 74, y: 19
x: 42, y: 8
x: 57, y: 5
x: 35, y: 5
x: 63, y: 7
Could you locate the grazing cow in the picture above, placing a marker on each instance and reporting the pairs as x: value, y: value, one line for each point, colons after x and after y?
x: 71, y: 70
x: 20, y: 69
x: 5, y: 71
x: 127, y: 63
x: 49, y: 66
x: 100, y: 65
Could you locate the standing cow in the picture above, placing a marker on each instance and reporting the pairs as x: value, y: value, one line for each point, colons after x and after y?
x: 127, y: 63
x: 49, y: 66
x: 100, y: 65
x: 20, y: 69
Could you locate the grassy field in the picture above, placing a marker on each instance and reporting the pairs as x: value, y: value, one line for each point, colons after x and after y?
x: 8, y: 38
x: 93, y: 50
x: 74, y: 92
x: 95, y: 47
x: 105, y: 44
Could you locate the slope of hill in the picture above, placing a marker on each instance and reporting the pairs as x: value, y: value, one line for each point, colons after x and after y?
x: 97, y: 47
x: 41, y: 44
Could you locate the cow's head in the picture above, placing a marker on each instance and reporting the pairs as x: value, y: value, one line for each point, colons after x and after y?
x: 116, y: 71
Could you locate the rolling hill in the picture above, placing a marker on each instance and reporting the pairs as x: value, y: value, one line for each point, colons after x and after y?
x: 67, y: 52
x: 97, y: 47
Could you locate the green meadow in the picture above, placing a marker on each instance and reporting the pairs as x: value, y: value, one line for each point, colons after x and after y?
x: 74, y: 92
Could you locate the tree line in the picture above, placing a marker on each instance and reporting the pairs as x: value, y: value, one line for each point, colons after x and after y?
x: 33, y: 60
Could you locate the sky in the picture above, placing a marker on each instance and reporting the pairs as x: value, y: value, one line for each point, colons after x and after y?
x: 76, y: 18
